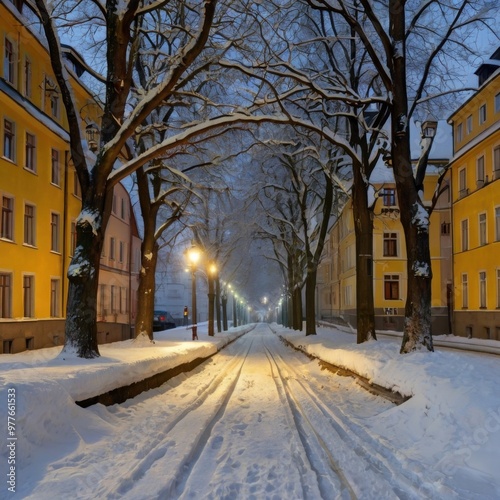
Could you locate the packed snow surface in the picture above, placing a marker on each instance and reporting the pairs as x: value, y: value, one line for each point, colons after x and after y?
x: 257, y: 420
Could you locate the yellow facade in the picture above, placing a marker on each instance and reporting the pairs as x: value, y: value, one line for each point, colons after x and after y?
x: 476, y: 212
x: 39, y: 191
x: 337, y: 298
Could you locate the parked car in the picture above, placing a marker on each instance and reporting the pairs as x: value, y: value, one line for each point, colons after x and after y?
x: 162, y: 320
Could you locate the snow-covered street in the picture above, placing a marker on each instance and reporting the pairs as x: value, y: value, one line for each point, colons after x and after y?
x: 258, y: 420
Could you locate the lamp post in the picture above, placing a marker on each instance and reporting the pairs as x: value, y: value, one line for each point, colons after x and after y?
x: 212, y: 270
x: 193, y: 256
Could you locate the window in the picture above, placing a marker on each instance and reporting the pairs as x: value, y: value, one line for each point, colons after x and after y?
x: 9, y: 139
x: 73, y: 239
x: 77, y: 190
x: 462, y: 182
x: 498, y: 288
x: 114, y: 204
x: 29, y: 225
x: 391, y: 287
x: 496, y: 162
x: 469, y: 124
x: 465, y: 291
x: 482, y: 114
x: 30, y: 150
x: 54, y: 232
x: 5, y: 295
x: 446, y: 228
x: 497, y: 224
x: 389, y: 197
x: 9, y: 62
x: 112, y: 248
x: 460, y: 132
x: 497, y: 103
x: 55, y: 170
x: 482, y: 290
x: 465, y: 235
x: 54, y: 104
x: 113, y: 300
x: 54, y: 298
x: 480, y: 170
x: 390, y: 244
x: 121, y: 252
x: 123, y: 300
x: 7, y: 231
x: 102, y: 301
x: 27, y: 77
x: 347, y: 295
x: 28, y: 296
x: 482, y: 230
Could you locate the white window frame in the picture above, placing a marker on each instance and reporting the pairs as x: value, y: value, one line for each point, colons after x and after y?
x: 7, y: 218
x: 465, y: 290
x: 9, y: 140
x: 55, y: 232
x: 29, y: 237
x: 464, y: 234
x: 5, y: 295
x: 482, y: 222
x: 29, y: 296
x: 55, y: 167
x: 9, y: 63
x: 482, y: 114
x: 55, y: 301
x: 482, y: 290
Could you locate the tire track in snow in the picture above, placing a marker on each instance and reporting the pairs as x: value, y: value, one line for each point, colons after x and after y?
x: 154, y: 452
x: 180, y: 460
x: 379, y: 460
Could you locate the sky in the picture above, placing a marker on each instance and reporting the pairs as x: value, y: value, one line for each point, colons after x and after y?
x: 258, y: 420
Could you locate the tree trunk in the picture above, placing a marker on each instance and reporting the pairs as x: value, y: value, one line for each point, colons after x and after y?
x: 224, y: 312
x: 414, y: 217
x: 297, y: 308
x: 363, y: 228
x: 83, y: 277
x: 311, y: 301
x: 217, y: 304
x: 146, y: 289
x: 211, y: 306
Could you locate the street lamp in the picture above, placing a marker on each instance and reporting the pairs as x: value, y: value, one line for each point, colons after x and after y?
x: 193, y: 255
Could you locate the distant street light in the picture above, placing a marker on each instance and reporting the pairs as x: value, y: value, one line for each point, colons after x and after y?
x: 193, y: 255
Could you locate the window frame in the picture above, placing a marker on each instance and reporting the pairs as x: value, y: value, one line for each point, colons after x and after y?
x: 390, y: 244
x: 392, y: 283
x: 29, y: 296
x: 55, y: 284
x: 5, y: 295
x: 464, y: 234
x: 7, y: 218
x: 55, y: 232
x: 388, y: 195
x: 9, y: 139
x: 482, y: 222
x: 464, y: 282
x: 480, y: 169
x: 482, y: 289
x: 469, y: 125
x: 30, y: 152
x: 9, y: 61
x: 482, y: 114
x: 55, y: 167
x: 29, y: 237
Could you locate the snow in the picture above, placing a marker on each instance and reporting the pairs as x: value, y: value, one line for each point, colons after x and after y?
x: 258, y: 420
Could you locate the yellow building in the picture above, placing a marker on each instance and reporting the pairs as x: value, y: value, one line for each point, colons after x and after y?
x: 476, y: 208
x: 337, y: 272
x: 39, y: 190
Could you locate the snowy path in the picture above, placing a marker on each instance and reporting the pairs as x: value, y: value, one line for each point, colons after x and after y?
x: 257, y: 421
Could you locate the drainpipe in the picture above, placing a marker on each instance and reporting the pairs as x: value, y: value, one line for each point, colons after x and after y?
x: 65, y: 233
